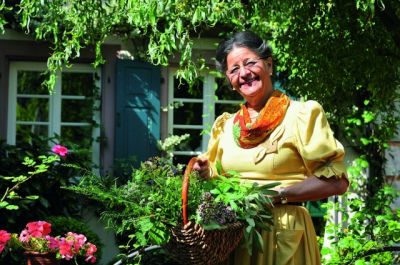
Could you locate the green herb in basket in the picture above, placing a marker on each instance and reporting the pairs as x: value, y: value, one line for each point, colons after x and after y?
x: 227, y: 195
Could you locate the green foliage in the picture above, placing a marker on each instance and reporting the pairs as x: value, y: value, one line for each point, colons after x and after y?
x: 331, y: 51
x: 10, y: 194
x: 37, y: 172
x: 3, y: 20
x: 249, y: 201
x: 147, y: 206
x: 345, y: 54
x: 368, y: 235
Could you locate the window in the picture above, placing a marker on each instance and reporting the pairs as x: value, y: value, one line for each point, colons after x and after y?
x: 194, y: 112
x: 71, y: 111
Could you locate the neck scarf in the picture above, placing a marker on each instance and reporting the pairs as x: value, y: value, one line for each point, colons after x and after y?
x: 248, y: 135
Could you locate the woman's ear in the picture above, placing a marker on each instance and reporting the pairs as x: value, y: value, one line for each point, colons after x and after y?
x: 269, y: 65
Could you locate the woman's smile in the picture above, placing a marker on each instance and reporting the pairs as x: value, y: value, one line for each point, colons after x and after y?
x: 249, y: 83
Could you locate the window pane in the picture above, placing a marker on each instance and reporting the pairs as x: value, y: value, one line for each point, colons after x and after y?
x: 189, y: 114
x: 32, y: 109
x: 78, y: 84
x: 29, y: 82
x: 230, y: 108
x: 81, y: 135
x: 193, y: 143
x: 25, y: 132
x: 225, y: 92
x: 182, y: 90
x: 181, y: 159
x: 76, y: 110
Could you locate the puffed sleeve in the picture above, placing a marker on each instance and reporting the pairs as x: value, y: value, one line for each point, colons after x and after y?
x: 214, y: 153
x: 321, y: 152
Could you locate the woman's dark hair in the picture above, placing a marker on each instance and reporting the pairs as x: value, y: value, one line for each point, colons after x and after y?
x: 245, y: 39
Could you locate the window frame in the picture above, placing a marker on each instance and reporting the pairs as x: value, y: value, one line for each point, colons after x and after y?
x: 209, y: 101
x: 54, y: 122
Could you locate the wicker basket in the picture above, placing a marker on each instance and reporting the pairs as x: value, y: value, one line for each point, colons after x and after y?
x: 190, y: 244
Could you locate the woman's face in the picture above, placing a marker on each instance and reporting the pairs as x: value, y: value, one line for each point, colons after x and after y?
x: 249, y: 74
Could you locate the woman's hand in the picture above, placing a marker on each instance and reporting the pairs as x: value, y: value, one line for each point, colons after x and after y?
x: 313, y: 188
x: 202, y: 167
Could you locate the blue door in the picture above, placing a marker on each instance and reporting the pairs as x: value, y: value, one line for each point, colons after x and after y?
x: 137, y: 110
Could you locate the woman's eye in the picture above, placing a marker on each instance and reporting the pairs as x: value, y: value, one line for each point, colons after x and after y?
x: 234, y: 70
x: 251, y: 63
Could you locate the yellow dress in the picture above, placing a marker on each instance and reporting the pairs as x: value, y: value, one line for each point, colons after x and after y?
x: 301, y: 146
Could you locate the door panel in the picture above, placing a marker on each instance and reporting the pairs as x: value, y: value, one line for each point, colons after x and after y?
x: 137, y: 110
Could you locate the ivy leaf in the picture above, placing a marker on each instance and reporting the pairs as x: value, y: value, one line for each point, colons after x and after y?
x: 32, y: 197
x: 3, y: 204
x: 12, y: 207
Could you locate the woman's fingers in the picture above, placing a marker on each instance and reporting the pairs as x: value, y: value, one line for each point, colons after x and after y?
x: 202, y: 167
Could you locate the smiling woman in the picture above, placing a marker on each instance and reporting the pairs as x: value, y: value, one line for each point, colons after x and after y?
x: 272, y: 138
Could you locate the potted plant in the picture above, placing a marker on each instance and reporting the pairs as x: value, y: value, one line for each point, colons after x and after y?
x: 40, y: 247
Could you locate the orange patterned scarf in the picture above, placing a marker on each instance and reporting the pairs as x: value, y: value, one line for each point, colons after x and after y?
x: 249, y: 135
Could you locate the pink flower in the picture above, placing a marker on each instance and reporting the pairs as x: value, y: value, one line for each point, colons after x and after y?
x: 77, y: 240
x: 66, y: 248
x: 91, y: 259
x: 53, y: 242
x: 35, y: 237
x: 60, y: 150
x: 39, y: 228
x: 4, y: 237
x: 24, y: 236
x: 91, y: 249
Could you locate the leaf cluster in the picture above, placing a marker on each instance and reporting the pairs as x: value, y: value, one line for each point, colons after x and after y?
x: 11, y: 193
x: 368, y: 235
x: 249, y: 200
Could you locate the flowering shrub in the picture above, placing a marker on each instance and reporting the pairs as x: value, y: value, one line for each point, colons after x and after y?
x: 36, y: 238
x: 10, y: 194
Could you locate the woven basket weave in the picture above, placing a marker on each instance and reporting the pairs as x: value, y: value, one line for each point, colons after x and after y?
x: 190, y: 244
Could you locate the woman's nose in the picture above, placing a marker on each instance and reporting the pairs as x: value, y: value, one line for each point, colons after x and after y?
x: 243, y: 72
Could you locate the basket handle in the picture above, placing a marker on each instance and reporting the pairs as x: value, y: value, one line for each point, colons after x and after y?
x: 185, y: 189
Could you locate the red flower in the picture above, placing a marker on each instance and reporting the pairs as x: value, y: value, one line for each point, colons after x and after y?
x: 38, y: 229
x: 4, y: 237
x: 60, y: 150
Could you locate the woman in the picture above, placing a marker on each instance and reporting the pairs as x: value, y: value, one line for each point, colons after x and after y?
x: 272, y: 138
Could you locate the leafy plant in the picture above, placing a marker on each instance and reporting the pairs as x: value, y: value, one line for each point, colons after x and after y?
x: 146, y: 207
x: 39, y: 175
x: 249, y: 201
x: 11, y: 194
x: 367, y: 235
